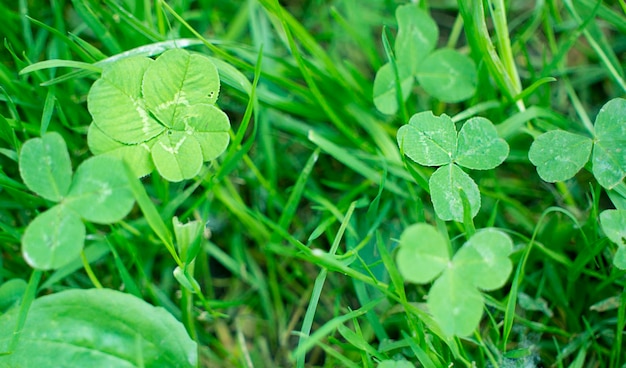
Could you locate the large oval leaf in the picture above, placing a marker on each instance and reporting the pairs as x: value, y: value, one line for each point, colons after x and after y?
x: 53, y: 239
x: 479, y: 146
x: 422, y: 254
x: 445, y: 185
x: 428, y: 139
x: 448, y: 75
x: 178, y: 79
x: 45, y: 166
x: 177, y: 156
x: 559, y: 155
x: 609, y: 151
x: 100, y: 191
x: 96, y: 328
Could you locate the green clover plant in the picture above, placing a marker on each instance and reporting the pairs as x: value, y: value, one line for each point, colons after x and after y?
x: 455, y: 300
x: 559, y: 155
x: 159, y: 113
x: 432, y: 140
x: 445, y: 74
x: 613, y: 224
x: 98, y: 192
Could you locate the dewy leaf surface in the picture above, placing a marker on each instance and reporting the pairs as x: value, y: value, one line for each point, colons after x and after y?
x: 559, y: 155
x: 177, y: 156
x: 384, y: 90
x: 448, y: 75
x: 445, y: 184
x: 45, y: 166
x: 428, y: 139
x: 417, y: 36
x: 209, y: 126
x: 484, y: 259
x: 137, y: 156
x: 116, y: 104
x: 479, y: 146
x: 609, y: 151
x: 456, y: 306
x: 53, y: 239
x: 100, y: 191
x: 96, y: 328
x: 422, y: 254
x: 178, y: 79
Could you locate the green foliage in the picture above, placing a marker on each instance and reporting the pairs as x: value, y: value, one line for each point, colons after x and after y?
x: 97, y: 327
x: 614, y: 225
x: 159, y: 113
x: 97, y: 192
x: 445, y: 74
x: 482, y: 263
x: 433, y: 141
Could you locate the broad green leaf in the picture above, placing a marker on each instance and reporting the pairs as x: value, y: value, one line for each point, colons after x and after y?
x: 614, y: 226
x: 484, y: 259
x: 428, y: 139
x: 116, y: 104
x: 559, y: 155
x: 422, y: 254
x: 444, y: 185
x: 11, y: 292
x: 479, y: 146
x: 456, y: 306
x: 100, y: 191
x: 609, y: 151
x: 177, y: 156
x: 137, y: 156
x: 53, y: 239
x: 97, y: 328
x: 448, y: 75
x: 384, y: 90
x: 178, y: 79
x: 417, y: 35
x: 209, y: 126
x: 619, y: 259
x: 45, y: 166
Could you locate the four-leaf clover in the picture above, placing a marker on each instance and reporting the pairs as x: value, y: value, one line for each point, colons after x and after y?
x: 433, y: 141
x: 159, y: 113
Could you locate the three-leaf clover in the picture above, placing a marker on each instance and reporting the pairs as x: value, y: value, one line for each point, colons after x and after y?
x: 559, y: 155
x: 98, y: 192
x: 445, y: 74
x: 455, y: 300
x: 432, y: 140
x: 159, y: 113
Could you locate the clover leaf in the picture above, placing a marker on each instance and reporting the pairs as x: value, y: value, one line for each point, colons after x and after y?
x: 98, y: 192
x: 455, y: 300
x: 613, y: 224
x: 559, y: 155
x: 159, y: 114
x: 433, y: 141
x: 444, y: 74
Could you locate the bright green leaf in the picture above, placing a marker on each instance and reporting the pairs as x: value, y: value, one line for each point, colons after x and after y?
x: 11, y: 292
x: 100, y: 191
x: 479, y: 146
x: 177, y: 79
x: 445, y: 184
x: 484, y: 259
x: 137, y: 156
x: 45, y: 166
x: 609, y: 151
x: 177, y: 156
x: 395, y: 364
x: 456, y: 306
x: 116, y: 104
x: 417, y: 35
x: 559, y: 155
x: 422, y: 254
x: 97, y: 328
x: 614, y: 226
x: 448, y: 75
x: 619, y: 260
x: 384, y: 90
x: 210, y: 127
x: 428, y: 139
x: 53, y: 239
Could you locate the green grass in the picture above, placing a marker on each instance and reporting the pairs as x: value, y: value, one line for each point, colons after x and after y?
x: 305, y: 209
